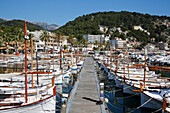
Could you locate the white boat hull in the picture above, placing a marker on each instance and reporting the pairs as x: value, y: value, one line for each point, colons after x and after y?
x: 152, y: 104
x: 46, y: 106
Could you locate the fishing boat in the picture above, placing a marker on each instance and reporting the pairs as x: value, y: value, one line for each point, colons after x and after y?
x: 21, y: 92
x: 156, y: 100
x: 80, y: 64
x: 74, y: 69
x: 3, y: 63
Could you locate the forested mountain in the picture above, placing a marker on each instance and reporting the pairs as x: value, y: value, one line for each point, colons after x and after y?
x: 120, y: 24
x: 30, y: 26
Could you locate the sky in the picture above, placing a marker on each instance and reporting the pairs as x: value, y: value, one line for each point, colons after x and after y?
x: 62, y: 11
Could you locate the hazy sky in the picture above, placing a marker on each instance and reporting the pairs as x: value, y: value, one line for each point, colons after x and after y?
x: 62, y: 11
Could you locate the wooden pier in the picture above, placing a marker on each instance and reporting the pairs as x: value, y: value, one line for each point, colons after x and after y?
x: 86, y: 98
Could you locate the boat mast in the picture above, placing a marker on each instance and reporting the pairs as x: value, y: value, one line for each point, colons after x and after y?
x: 145, y: 68
x: 32, y: 59
x: 128, y: 61
x: 53, y: 56
x: 60, y: 55
x: 110, y: 57
x: 124, y: 62
x: 76, y: 53
x: 37, y: 63
x: 116, y: 47
x: 25, y: 62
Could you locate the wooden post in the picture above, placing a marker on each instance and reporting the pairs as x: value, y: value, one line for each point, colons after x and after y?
x: 53, y: 78
x: 144, y: 71
x: 32, y: 60
x: 141, y: 87
x: 54, y: 91
x: 11, y: 81
x: 164, y: 103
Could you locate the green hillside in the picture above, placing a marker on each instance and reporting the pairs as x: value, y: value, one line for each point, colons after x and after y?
x: 90, y: 24
x: 20, y: 23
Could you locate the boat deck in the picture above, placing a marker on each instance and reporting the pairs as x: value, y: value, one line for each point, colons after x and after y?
x: 86, y: 96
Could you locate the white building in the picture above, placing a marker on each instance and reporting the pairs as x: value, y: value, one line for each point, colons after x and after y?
x: 49, y: 44
x: 36, y: 37
x: 106, y: 38
x: 117, y: 43
x: 93, y: 38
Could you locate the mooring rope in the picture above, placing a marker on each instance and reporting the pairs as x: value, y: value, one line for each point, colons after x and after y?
x: 120, y: 89
x: 142, y: 105
x: 157, y: 110
x: 121, y: 97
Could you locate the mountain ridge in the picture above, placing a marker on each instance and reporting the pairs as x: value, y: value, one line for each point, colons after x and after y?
x: 30, y: 26
x: 46, y: 25
x: 35, y: 25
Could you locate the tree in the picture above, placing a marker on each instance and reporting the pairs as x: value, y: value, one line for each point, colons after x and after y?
x: 84, y: 42
x: 7, y: 39
x: 65, y: 47
x: 123, y: 36
x: 108, y: 45
x: 1, y: 37
x: 96, y: 43
x: 70, y: 40
x: 45, y: 36
x: 75, y: 42
x: 18, y: 38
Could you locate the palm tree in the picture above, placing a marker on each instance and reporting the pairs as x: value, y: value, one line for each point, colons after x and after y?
x: 75, y: 42
x: 45, y: 36
x: 85, y: 42
x: 18, y: 38
x: 1, y: 38
x: 96, y: 43
x: 70, y: 39
x: 108, y: 45
x: 7, y: 39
